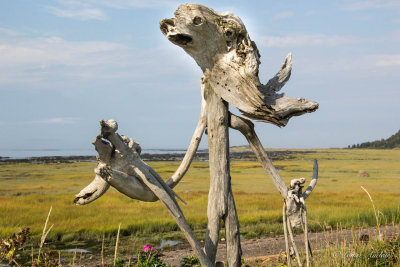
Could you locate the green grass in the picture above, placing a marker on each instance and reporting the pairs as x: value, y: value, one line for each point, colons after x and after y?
x: 28, y: 190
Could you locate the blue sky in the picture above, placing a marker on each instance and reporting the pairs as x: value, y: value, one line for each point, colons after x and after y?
x: 66, y: 64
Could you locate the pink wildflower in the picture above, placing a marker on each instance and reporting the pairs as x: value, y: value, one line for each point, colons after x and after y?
x: 147, y: 248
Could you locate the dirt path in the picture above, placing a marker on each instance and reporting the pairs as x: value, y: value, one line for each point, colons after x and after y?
x: 264, y: 246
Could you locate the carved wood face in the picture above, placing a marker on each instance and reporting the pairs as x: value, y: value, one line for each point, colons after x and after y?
x: 206, y: 34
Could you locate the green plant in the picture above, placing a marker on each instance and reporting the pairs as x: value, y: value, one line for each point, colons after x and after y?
x: 46, y: 259
x: 9, y: 245
x: 244, y: 264
x: 120, y: 262
x: 149, y: 257
x: 190, y: 261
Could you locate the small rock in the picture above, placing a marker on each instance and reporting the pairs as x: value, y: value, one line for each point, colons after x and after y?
x: 364, y: 238
x: 362, y: 173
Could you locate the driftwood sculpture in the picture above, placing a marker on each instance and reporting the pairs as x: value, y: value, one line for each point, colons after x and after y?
x: 120, y: 165
x: 295, y: 214
x: 221, y: 46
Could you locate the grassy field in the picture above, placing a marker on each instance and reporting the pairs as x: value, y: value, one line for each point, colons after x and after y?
x: 27, y: 191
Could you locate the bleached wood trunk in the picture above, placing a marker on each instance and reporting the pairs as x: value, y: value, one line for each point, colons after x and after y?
x: 221, y: 205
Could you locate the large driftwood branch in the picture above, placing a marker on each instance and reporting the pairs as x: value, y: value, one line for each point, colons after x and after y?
x: 246, y: 127
x: 194, y: 143
x: 294, y: 208
x: 120, y: 165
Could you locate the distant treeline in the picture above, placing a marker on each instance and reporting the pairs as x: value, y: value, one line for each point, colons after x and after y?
x: 390, y: 143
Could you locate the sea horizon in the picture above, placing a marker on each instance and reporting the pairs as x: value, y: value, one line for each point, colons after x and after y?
x: 53, y: 152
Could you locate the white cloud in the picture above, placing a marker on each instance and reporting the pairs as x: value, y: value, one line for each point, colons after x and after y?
x: 61, y: 120
x: 11, y: 33
x: 92, y: 9
x: 80, y: 14
x: 304, y: 40
x: 122, y: 4
x: 53, y: 62
x: 355, y: 66
x: 283, y: 15
x: 371, y: 4
x: 35, y: 52
x: 31, y: 60
x: 387, y: 60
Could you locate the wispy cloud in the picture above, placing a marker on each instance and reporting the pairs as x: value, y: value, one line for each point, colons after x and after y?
x: 11, y: 33
x: 25, y: 59
x: 371, y: 4
x: 122, y: 4
x: 51, y: 61
x: 355, y: 66
x: 61, y: 120
x: 387, y: 60
x: 283, y: 15
x: 80, y: 14
x: 94, y: 9
x: 53, y: 51
x: 304, y: 40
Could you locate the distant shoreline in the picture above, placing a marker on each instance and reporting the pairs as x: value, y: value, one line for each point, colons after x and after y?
x: 201, y: 155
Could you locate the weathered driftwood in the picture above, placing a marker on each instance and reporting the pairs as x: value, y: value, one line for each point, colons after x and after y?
x: 246, y: 127
x: 229, y: 59
x: 120, y: 165
x: 295, y: 213
x: 294, y: 208
x: 221, y: 46
x: 194, y: 143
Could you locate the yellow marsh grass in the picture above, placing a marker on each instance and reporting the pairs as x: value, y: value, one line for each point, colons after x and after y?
x: 28, y: 190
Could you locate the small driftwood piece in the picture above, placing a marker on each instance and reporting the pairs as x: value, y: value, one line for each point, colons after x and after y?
x: 120, y: 165
x: 295, y: 213
x: 294, y: 207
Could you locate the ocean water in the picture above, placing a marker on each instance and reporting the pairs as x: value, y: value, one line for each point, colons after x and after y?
x: 29, y: 153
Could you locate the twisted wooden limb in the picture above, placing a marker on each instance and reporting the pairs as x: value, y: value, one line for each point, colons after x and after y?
x: 120, y: 165
x: 99, y: 185
x: 285, y: 231
x: 313, y: 182
x: 194, y: 144
x: 306, y: 241
x: 293, y: 243
x: 246, y: 127
x: 292, y: 211
x: 92, y: 192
